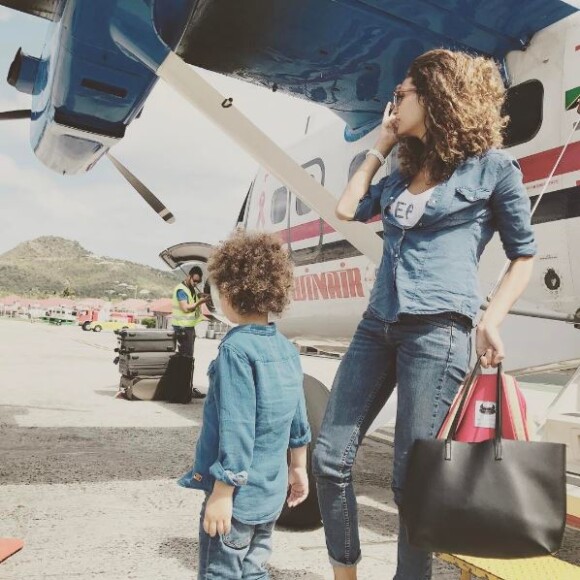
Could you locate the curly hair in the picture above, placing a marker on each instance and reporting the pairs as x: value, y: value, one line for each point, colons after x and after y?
x: 463, y: 97
x: 253, y: 272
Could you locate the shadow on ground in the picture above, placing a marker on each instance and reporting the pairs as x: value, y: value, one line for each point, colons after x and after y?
x: 43, y: 455
x: 185, y: 551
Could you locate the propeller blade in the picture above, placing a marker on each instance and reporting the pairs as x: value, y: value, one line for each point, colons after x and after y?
x: 143, y: 191
x: 190, y: 85
x: 15, y: 115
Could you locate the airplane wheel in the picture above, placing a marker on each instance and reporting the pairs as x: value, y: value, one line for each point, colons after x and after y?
x: 97, y: 328
x: 86, y: 325
x: 307, y: 514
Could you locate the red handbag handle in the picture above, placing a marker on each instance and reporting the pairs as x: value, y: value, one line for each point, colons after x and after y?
x: 459, y: 413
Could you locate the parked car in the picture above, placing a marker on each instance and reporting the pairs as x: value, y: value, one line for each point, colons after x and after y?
x: 99, y: 325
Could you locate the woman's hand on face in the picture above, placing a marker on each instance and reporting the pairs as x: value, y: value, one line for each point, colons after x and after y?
x: 489, y: 345
x: 388, y: 132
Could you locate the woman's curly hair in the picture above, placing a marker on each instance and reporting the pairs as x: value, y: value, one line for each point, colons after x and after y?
x: 463, y: 97
x: 253, y: 272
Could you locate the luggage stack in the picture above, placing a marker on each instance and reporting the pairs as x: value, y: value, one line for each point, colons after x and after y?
x: 150, y: 368
x: 144, y: 356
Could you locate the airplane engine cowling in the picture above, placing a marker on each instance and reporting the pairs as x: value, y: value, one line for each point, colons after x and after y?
x: 22, y: 72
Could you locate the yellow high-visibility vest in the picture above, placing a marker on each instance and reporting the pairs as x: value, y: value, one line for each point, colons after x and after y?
x: 185, y: 319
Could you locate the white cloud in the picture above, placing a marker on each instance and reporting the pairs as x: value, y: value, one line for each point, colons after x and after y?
x: 5, y: 14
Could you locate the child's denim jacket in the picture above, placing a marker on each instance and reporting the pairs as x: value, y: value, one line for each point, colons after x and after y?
x: 254, y: 411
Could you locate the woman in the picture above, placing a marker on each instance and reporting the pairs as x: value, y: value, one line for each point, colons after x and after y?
x: 453, y: 189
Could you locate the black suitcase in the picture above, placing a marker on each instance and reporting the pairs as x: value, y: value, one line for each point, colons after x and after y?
x: 144, y: 363
x: 145, y: 341
x: 177, y: 382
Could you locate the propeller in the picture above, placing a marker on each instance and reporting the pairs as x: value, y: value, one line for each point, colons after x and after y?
x: 143, y: 190
x: 15, y: 115
x: 140, y: 187
x: 196, y: 90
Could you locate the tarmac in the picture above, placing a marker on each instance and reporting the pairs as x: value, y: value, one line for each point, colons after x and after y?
x: 88, y: 482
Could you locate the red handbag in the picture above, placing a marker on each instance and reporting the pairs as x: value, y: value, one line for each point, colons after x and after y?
x: 477, y: 421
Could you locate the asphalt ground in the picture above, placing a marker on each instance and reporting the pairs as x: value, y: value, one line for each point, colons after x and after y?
x: 88, y: 481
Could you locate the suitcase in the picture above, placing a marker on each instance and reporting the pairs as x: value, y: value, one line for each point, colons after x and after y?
x: 146, y: 346
x: 176, y: 384
x: 149, y: 334
x: 145, y: 341
x: 140, y: 388
x: 144, y: 363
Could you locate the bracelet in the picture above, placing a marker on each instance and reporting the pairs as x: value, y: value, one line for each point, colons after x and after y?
x: 376, y: 153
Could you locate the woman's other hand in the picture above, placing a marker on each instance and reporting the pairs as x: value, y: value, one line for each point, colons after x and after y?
x: 489, y: 345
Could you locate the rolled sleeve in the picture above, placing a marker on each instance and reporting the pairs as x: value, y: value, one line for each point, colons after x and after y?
x: 300, y: 429
x: 370, y: 203
x: 236, y: 405
x: 511, y: 212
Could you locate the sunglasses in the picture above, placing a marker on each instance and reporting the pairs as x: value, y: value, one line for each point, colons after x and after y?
x: 399, y: 95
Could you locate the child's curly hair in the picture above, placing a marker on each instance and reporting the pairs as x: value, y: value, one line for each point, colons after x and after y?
x: 253, y: 272
x: 463, y: 96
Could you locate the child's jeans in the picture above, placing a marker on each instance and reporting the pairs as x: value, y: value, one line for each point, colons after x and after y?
x: 240, y: 555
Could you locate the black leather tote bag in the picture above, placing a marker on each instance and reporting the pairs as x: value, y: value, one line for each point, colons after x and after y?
x: 494, y: 499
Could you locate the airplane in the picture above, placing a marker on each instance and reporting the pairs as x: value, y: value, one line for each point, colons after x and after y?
x: 103, y: 59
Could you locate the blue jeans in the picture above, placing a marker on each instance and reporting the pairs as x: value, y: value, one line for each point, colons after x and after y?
x: 427, y: 357
x: 240, y: 555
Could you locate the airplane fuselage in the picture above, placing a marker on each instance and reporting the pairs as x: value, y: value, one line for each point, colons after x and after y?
x: 333, y: 280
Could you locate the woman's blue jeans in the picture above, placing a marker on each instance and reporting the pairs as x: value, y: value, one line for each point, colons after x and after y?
x: 427, y: 357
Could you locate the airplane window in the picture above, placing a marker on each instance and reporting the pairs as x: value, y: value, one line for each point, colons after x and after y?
x: 355, y: 163
x: 523, y: 104
x: 301, y: 207
x: 279, y: 204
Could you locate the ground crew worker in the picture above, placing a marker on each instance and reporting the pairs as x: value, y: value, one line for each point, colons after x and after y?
x: 186, y: 314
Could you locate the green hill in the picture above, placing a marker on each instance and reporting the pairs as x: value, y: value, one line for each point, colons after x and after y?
x: 51, y: 265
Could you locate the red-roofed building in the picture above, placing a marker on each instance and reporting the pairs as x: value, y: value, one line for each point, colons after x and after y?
x: 161, y: 309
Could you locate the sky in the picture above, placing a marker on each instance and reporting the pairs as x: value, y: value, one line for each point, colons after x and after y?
x: 198, y: 172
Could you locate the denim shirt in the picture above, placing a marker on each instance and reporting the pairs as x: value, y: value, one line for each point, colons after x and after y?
x: 432, y: 267
x: 254, y: 411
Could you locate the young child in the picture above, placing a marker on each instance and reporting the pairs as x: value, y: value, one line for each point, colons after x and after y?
x: 254, y: 412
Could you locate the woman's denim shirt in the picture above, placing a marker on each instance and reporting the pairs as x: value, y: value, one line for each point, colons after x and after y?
x: 254, y: 411
x: 432, y: 267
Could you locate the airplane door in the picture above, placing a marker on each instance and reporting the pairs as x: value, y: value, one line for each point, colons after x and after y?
x: 305, y: 227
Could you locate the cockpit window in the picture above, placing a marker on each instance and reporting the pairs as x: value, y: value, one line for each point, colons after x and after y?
x: 524, y: 105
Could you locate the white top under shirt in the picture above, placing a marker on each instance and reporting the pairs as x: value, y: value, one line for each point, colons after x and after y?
x: 409, y: 207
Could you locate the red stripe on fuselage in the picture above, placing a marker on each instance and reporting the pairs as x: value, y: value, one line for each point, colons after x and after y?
x: 534, y: 167
x: 310, y: 230
x: 539, y: 165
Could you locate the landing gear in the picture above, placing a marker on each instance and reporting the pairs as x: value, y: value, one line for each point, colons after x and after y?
x: 307, y: 514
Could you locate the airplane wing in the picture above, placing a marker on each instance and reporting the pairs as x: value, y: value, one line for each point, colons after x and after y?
x: 48, y: 9
x: 349, y: 55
